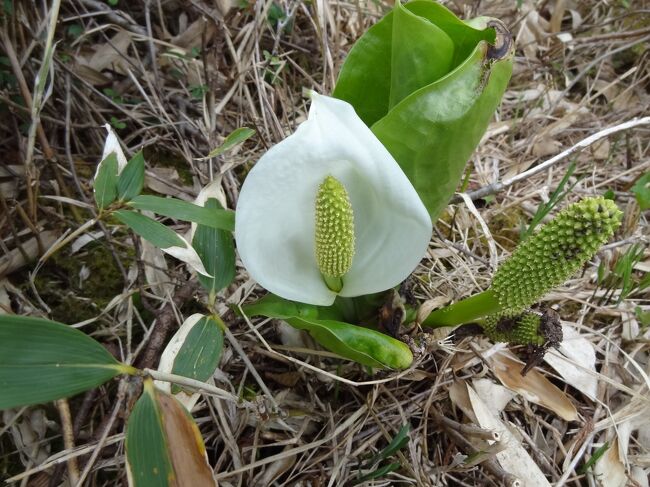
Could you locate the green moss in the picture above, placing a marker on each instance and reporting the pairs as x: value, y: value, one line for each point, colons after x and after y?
x: 72, y: 299
x: 158, y: 156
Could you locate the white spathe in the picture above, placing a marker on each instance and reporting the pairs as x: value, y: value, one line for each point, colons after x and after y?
x: 275, y: 217
x: 111, y: 144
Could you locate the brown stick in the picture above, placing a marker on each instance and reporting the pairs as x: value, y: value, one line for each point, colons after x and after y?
x: 164, y: 322
x: 68, y: 438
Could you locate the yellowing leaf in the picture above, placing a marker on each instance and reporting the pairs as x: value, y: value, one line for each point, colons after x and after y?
x: 164, y: 447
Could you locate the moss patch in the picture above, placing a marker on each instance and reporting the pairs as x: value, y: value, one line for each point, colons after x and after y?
x: 73, y: 299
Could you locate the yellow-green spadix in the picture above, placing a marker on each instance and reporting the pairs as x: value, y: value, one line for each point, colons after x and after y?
x: 277, y: 225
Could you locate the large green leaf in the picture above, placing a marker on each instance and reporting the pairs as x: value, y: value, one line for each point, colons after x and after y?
x: 433, y: 132
x: 42, y: 360
x: 428, y: 84
x: 198, y: 356
x: 421, y: 54
x: 216, y: 249
x: 363, y: 345
x: 131, y: 180
x: 365, y: 78
x: 106, y: 181
x: 183, y: 210
x: 164, y: 447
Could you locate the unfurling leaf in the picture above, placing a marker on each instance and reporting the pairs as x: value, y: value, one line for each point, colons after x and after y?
x: 428, y: 84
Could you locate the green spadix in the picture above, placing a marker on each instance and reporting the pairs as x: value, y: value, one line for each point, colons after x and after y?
x: 334, y: 232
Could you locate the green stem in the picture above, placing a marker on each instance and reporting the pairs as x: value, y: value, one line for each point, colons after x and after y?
x: 465, y: 311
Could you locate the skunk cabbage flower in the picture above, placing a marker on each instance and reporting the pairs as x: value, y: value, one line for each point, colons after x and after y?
x: 328, y: 211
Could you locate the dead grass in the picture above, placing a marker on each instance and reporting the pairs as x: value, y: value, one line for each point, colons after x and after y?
x: 176, y: 77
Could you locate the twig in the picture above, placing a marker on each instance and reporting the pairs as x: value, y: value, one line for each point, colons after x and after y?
x: 68, y: 438
x: 121, y: 393
x: 198, y: 386
x: 489, y: 463
x: 116, y: 16
x: 164, y: 323
x: 583, y: 144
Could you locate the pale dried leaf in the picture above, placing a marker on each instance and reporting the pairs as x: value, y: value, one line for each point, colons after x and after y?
x: 600, y: 151
x: 113, y: 145
x: 495, y: 396
x: 112, y: 54
x: 534, y: 387
x: 14, y: 259
x: 609, y: 470
x: 187, y: 255
x: 575, y: 361
x: 459, y: 396
x: 514, y: 458
x: 275, y: 470
x: 186, y: 449
x: 155, y: 267
x: 430, y: 305
x: 292, y: 337
x: 641, y: 476
x: 168, y: 357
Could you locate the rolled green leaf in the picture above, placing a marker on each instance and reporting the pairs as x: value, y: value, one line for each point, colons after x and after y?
x: 428, y: 84
x: 363, y: 345
x: 106, y: 181
x: 131, y: 179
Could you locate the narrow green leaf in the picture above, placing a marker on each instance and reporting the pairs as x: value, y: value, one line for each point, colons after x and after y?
x: 594, y: 458
x: 363, y: 345
x: 149, y: 229
x: 131, y: 180
x: 148, y: 458
x: 555, y: 198
x: 641, y: 190
x: 106, y: 181
x: 235, y: 138
x: 398, y: 442
x: 380, y: 472
x: 216, y: 249
x: 199, y: 354
x: 163, y: 444
x: 42, y: 360
x: 183, y: 210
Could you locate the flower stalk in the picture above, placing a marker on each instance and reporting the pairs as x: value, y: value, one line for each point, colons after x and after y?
x: 541, y: 263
